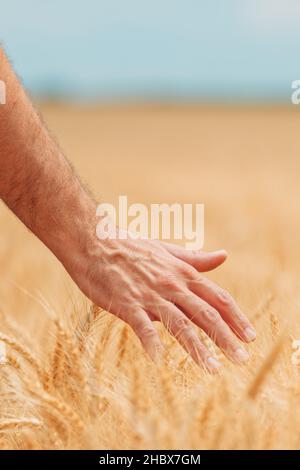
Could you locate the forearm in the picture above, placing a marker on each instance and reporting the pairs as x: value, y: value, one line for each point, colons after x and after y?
x: 38, y: 184
x: 36, y: 181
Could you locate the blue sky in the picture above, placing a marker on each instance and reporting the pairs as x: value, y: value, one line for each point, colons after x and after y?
x: 191, y: 49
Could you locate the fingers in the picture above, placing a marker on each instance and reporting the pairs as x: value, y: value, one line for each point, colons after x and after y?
x: 200, y: 260
x: 226, y: 306
x: 210, y: 321
x: 145, y: 330
x: 182, y: 329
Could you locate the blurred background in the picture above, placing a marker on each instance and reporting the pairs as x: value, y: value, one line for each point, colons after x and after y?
x: 167, y: 101
x: 159, y: 50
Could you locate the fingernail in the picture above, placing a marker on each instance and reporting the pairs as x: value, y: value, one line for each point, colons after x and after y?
x: 249, y: 333
x: 241, y: 355
x: 213, y: 364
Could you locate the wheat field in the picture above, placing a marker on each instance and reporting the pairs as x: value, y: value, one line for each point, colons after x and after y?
x: 75, y: 377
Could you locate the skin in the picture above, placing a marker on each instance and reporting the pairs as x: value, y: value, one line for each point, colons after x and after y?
x: 140, y: 281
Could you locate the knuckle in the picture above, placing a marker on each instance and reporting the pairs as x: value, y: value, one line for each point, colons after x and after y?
x: 182, y: 324
x: 198, y: 280
x: 212, y: 316
x: 148, y: 331
x: 187, y: 271
x: 225, y: 298
x: 228, y: 344
x: 168, y: 283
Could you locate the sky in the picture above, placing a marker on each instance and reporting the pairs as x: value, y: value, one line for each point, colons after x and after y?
x: 160, y: 49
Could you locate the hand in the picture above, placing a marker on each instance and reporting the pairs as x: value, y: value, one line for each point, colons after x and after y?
x: 138, y: 280
x: 142, y: 281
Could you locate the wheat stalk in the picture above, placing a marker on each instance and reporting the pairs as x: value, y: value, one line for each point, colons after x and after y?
x: 265, y: 369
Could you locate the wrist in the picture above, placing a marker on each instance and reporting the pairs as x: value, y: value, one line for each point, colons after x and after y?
x: 73, y: 238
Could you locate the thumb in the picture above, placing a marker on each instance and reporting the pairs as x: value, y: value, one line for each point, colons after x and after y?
x: 200, y: 260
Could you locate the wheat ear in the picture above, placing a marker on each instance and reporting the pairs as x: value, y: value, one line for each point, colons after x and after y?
x: 265, y: 369
x: 14, y: 424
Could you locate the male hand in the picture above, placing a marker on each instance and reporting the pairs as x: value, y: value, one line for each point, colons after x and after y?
x: 142, y: 281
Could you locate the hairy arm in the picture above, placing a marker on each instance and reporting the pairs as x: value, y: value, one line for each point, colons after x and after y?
x: 140, y: 281
x: 36, y: 181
